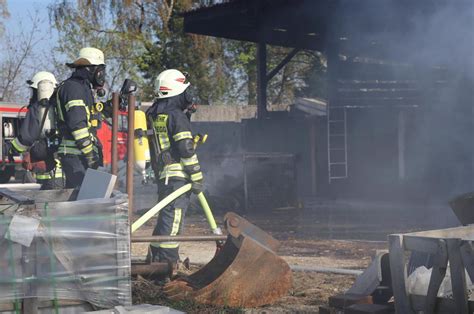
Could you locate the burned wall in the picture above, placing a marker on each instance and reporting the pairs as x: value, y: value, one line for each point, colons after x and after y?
x: 222, y: 156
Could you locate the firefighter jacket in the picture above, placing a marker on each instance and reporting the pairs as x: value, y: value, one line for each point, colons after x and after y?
x: 176, y: 157
x: 30, y: 139
x: 74, y: 100
x: 30, y: 129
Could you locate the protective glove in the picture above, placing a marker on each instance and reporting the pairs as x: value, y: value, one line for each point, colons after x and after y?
x: 197, y: 187
x: 93, y: 160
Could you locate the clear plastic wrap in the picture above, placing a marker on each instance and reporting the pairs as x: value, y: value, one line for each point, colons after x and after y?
x: 80, y: 250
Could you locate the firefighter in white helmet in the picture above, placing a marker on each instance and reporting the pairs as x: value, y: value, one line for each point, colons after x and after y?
x: 173, y: 156
x: 37, y: 133
x: 79, y: 147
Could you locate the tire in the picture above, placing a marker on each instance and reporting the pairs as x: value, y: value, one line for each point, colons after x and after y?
x: 7, y: 173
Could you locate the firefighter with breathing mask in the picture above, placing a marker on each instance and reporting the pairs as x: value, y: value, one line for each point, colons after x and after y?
x: 37, y: 134
x: 174, y: 161
x: 79, y: 147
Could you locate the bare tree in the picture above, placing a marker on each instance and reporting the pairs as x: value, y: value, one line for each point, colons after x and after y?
x: 19, y: 62
x: 3, y: 15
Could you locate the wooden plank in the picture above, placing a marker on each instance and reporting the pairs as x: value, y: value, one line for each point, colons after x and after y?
x: 419, y: 244
x: 398, y: 274
x: 467, y: 253
x: 458, y: 275
x: 464, y: 232
x: 440, y: 263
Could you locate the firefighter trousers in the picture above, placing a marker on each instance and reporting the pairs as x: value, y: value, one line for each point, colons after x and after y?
x: 74, y: 169
x: 170, y: 222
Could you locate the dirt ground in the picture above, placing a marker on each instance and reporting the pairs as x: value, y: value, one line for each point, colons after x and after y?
x: 310, y: 289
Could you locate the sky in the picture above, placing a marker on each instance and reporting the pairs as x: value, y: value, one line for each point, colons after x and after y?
x: 21, y: 13
x: 20, y: 10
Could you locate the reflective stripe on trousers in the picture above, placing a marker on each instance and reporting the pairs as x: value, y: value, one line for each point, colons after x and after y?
x: 174, y: 231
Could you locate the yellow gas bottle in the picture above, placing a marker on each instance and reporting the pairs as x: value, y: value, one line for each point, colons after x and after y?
x: 140, y: 143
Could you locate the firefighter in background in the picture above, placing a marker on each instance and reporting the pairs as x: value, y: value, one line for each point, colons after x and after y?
x: 79, y: 147
x: 174, y: 161
x: 37, y: 133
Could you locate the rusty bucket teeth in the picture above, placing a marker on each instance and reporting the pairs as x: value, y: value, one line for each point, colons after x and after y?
x: 245, y: 273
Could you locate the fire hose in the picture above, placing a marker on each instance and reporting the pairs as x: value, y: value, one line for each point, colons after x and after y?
x: 168, y: 199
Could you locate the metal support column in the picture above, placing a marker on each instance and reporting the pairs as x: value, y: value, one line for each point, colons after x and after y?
x: 130, y: 157
x: 261, y: 80
x: 115, y: 108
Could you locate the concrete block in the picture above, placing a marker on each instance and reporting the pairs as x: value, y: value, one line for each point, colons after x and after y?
x: 96, y: 184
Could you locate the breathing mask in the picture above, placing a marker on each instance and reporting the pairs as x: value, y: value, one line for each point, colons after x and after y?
x: 97, y: 77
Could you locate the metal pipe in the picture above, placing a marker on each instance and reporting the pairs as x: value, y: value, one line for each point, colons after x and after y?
x: 262, y: 80
x: 317, y: 269
x: 178, y: 238
x: 115, y: 113
x: 130, y: 159
x: 152, y: 269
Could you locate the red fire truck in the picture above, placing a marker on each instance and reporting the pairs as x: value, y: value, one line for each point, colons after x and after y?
x: 11, y: 116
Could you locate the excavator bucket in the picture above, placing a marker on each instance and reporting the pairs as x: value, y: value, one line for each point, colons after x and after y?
x: 245, y: 273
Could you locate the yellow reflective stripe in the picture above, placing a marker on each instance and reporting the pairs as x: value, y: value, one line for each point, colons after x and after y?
x: 69, y: 150
x: 169, y: 174
x: 75, y: 103
x: 88, y: 114
x: 189, y: 161
x: 178, y: 214
x: 173, y: 170
x: 164, y: 141
x: 43, y: 176
x: 68, y: 142
x: 182, y: 135
x: 173, y: 167
x: 68, y: 147
x: 197, y: 176
x: 161, y: 129
x: 80, y: 134
x: 19, y: 146
x: 176, y: 221
x: 87, y: 149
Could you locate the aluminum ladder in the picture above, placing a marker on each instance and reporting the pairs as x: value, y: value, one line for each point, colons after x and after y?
x: 337, y: 143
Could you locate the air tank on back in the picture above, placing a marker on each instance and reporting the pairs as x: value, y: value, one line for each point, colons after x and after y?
x: 45, y: 90
x: 140, y: 144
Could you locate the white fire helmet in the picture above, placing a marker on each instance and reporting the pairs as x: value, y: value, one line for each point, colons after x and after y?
x: 41, y: 76
x: 88, y: 56
x: 170, y: 83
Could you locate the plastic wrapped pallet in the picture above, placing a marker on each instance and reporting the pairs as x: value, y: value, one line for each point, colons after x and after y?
x: 80, y: 250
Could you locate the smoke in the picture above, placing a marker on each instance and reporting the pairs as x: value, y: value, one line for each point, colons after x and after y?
x: 430, y: 45
x: 422, y: 33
